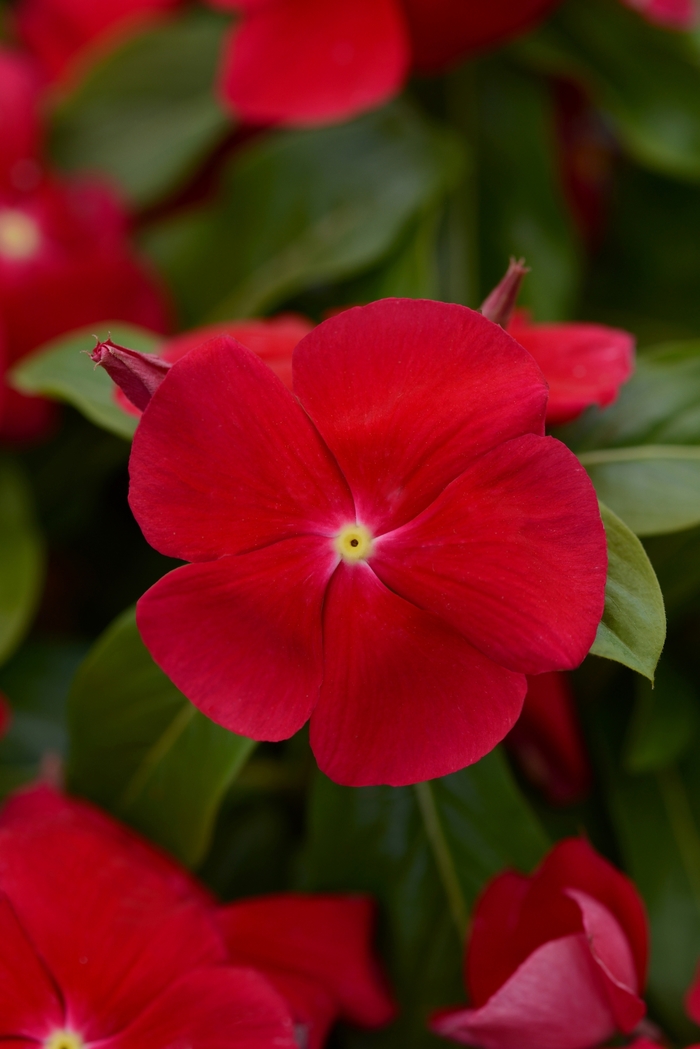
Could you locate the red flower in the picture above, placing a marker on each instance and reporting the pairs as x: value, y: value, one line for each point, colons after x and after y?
x: 556, y: 960
x: 273, y: 340
x: 547, y: 742
x: 62, y: 32
x: 20, y: 128
x: 105, y: 940
x: 316, y: 952
x: 65, y: 261
x: 677, y: 14
x: 390, y: 553
x: 583, y: 364
x: 310, y: 61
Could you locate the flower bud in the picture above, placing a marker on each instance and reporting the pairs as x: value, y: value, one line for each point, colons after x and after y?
x: 499, y: 305
x: 138, y: 375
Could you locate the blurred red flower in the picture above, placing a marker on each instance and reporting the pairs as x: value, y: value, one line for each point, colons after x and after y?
x: 105, y: 940
x: 65, y: 261
x: 557, y: 959
x: 388, y: 552
x: 316, y: 952
x: 63, y: 32
x: 20, y: 125
x: 547, y: 742
x: 583, y: 364
x: 677, y: 14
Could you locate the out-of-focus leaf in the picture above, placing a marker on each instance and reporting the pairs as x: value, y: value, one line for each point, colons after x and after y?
x: 21, y: 557
x: 140, y: 749
x: 300, y: 208
x: 383, y: 840
x: 522, y: 210
x: 646, y: 78
x: 63, y: 371
x: 665, y: 721
x: 655, y: 488
x: 633, y: 628
x: 676, y: 561
x: 148, y: 114
x: 36, y: 682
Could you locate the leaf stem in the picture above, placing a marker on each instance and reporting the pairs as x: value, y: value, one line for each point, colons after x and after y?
x: 683, y: 825
x: 442, y: 856
x: 639, y: 453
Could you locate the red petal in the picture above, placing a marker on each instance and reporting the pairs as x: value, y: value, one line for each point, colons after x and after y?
x: 547, y: 741
x: 692, y: 998
x: 212, y: 1009
x: 676, y: 14
x: 407, y: 393
x: 29, y: 1004
x: 114, y: 921
x: 583, y: 364
x: 326, y: 940
x: 554, y: 1000
x: 445, y: 30
x: 241, y: 637
x: 310, y: 62
x: 225, y: 460
x: 512, y: 554
x: 20, y: 128
x: 491, y: 955
x: 404, y: 698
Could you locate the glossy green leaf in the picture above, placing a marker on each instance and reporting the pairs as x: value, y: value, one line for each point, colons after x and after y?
x: 646, y: 78
x: 633, y: 628
x: 140, y: 749
x: 418, y: 850
x: 654, y: 488
x: 299, y: 208
x: 63, y: 371
x: 522, y: 210
x: 21, y: 557
x: 147, y: 115
x: 665, y: 721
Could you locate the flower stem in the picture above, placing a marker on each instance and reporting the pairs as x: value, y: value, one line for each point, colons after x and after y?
x: 443, y: 857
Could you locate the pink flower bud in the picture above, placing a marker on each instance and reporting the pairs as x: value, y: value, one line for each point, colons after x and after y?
x: 499, y: 305
x: 138, y: 375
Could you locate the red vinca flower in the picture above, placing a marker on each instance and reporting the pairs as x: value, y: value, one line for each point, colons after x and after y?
x: 273, y: 340
x: 388, y: 552
x: 316, y: 952
x: 63, y: 32
x: 677, y: 14
x: 104, y: 940
x: 20, y: 127
x: 583, y: 364
x: 558, y: 959
x: 65, y: 261
x: 547, y: 742
x: 310, y: 62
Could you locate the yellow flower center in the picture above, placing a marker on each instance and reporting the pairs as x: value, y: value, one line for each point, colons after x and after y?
x: 354, y: 542
x: 64, y: 1040
x: 19, y: 235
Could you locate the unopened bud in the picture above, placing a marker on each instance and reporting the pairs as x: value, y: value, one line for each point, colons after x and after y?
x: 499, y: 305
x: 138, y: 375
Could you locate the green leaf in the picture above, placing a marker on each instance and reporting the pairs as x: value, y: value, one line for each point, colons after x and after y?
x: 654, y: 488
x: 36, y: 682
x: 147, y: 115
x: 376, y: 839
x: 21, y: 557
x: 305, y: 207
x: 647, y: 79
x: 140, y: 749
x: 665, y: 721
x: 633, y: 628
x: 63, y: 371
x: 522, y: 209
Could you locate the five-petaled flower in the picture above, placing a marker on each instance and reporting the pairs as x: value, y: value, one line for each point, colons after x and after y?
x: 557, y: 960
x: 388, y: 552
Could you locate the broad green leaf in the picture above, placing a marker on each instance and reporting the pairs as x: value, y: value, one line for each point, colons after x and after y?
x: 654, y: 488
x: 417, y: 850
x: 522, y: 210
x: 633, y: 628
x: 665, y: 721
x: 21, y: 557
x: 140, y: 749
x: 299, y: 208
x: 63, y: 371
x: 36, y: 682
x: 147, y: 115
x: 646, y: 78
